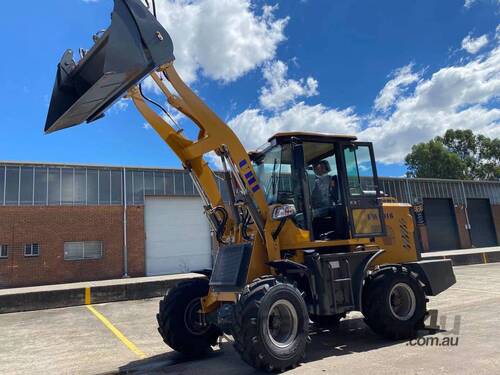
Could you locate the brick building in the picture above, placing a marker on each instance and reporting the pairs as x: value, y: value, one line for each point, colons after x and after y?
x: 66, y: 223
x: 49, y: 229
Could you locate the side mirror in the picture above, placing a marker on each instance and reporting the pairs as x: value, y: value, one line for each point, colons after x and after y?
x: 284, y: 211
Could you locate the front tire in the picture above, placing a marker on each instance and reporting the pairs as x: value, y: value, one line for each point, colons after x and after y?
x: 272, y: 325
x: 180, y: 322
x: 394, y: 304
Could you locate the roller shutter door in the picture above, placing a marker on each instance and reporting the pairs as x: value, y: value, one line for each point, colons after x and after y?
x: 441, y: 224
x: 177, y: 235
x: 481, y: 223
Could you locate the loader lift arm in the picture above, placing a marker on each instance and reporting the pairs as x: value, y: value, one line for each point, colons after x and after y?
x: 214, y: 135
x: 133, y: 47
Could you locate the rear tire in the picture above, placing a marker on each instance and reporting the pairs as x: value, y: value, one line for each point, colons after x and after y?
x: 271, y: 326
x: 178, y: 319
x: 394, y: 304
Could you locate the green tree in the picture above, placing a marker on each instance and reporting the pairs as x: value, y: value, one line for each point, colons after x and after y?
x: 433, y: 160
x: 459, y: 154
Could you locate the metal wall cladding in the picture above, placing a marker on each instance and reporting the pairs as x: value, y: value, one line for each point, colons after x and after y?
x: 42, y: 184
x: 482, y: 226
x: 441, y: 224
x: 53, y: 185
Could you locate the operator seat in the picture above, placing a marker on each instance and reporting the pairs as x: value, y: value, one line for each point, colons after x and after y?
x: 324, y: 197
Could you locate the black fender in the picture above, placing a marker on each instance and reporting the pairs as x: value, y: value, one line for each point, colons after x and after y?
x: 437, y: 274
x: 359, y: 283
x: 294, y: 272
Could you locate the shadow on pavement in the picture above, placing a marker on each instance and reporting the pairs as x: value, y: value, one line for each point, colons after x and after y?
x: 352, y: 336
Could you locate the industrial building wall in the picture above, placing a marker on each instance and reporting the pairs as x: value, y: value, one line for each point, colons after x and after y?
x: 451, y: 227
x: 441, y: 224
x: 50, y: 227
x: 458, y: 218
x: 495, y: 209
x: 463, y: 232
x: 482, y: 231
x: 52, y: 204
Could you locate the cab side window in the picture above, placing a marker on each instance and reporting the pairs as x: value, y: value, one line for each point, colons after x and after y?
x: 359, y: 171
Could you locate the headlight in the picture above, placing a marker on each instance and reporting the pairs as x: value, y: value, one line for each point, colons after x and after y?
x: 283, y: 211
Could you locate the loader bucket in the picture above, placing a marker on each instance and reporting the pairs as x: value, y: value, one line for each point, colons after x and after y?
x: 134, y: 45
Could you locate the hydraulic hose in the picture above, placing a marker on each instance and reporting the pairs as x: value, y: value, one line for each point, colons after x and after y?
x: 221, y: 223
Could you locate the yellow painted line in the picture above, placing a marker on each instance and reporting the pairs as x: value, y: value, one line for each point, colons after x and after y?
x: 129, y: 344
x: 87, y: 296
x: 484, y: 258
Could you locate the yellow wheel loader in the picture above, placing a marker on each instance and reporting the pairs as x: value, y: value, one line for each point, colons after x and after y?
x: 305, y: 236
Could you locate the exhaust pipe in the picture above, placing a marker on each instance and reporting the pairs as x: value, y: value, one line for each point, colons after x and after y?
x: 132, y: 47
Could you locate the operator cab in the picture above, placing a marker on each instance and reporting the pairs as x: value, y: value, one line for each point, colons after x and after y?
x: 330, y: 179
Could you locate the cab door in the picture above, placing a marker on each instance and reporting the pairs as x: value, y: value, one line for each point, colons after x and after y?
x: 362, y: 190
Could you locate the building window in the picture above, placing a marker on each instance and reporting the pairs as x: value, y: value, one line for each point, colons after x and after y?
x: 4, y: 251
x: 32, y: 250
x: 82, y: 250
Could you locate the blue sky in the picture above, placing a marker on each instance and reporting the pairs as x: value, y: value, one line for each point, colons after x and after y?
x: 394, y: 72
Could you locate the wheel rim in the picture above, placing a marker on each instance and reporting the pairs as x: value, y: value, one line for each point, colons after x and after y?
x: 402, y: 301
x: 282, y: 323
x: 193, y: 318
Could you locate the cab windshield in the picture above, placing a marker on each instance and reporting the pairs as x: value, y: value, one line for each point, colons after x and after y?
x: 280, y: 185
x: 273, y: 170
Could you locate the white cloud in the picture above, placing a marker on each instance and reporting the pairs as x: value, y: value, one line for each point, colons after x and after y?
x: 254, y: 128
x: 225, y: 39
x: 280, y: 91
x: 469, y: 3
x: 392, y: 90
x: 222, y: 39
x: 460, y: 97
x: 473, y: 45
x: 122, y: 104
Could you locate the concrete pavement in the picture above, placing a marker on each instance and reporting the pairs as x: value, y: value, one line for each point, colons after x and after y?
x: 74, y: 341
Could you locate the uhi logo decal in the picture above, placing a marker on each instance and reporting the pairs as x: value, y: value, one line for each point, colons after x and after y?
x: 251, y: 180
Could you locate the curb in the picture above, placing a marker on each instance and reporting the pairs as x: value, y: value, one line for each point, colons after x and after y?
x: 85, y: 295
x: 469, y: 259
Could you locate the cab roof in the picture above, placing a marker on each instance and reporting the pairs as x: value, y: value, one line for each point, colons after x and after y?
x: 285, y: 137
x: 311, y: 137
